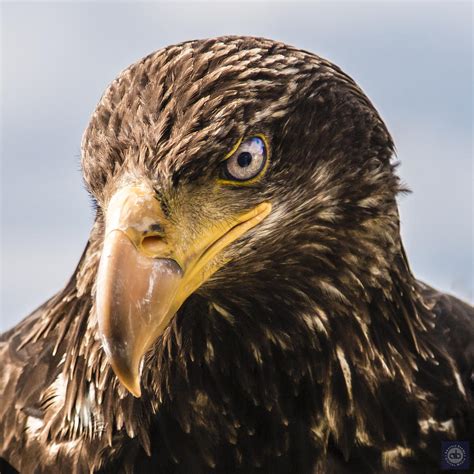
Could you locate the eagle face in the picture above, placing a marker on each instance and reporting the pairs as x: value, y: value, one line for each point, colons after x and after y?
x: 218, y: 167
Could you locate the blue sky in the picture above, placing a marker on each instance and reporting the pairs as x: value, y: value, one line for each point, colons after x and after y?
x: 414, y: 60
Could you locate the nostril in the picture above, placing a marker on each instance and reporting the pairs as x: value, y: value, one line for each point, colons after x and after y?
x: 153, y: 244
x: 156, y: 228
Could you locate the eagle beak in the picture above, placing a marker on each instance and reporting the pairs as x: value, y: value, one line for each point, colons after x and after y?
x: 147, y: 271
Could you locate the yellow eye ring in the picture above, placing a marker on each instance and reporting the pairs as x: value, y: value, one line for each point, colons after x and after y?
x: 247, y: 161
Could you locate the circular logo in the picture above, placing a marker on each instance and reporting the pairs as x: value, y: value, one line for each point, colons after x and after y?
x: 455, y: 455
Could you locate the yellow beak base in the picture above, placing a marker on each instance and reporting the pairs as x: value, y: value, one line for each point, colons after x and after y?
x: 140, y: 286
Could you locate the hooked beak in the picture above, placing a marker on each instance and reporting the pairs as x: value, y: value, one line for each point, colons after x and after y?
x: 146, y: 273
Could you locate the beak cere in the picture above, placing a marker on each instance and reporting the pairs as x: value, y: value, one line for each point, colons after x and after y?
x: 141, y: 285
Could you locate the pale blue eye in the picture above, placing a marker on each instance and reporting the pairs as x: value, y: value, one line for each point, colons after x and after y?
x: 247, y: 161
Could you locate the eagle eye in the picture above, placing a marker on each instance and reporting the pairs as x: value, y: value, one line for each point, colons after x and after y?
x: 247, y: 161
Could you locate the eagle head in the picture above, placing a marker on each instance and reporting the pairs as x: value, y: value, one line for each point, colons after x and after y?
x: 242, y: 174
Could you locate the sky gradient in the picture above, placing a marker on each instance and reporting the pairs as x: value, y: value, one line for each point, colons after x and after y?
x: 413, y: 60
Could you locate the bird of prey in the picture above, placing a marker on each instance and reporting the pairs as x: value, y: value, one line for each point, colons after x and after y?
x: 244, y: 303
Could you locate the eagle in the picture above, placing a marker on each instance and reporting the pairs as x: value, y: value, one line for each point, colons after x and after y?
x: 244, y: 303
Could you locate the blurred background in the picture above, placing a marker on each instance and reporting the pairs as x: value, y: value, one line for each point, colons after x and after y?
x: 414, y: 60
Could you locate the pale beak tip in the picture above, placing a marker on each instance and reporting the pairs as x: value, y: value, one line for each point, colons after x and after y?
x: 128, y: 377
x: 132, y: 385
x: 135, y: 389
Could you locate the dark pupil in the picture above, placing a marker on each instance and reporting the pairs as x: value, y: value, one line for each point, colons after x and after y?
x: 244, y: 159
